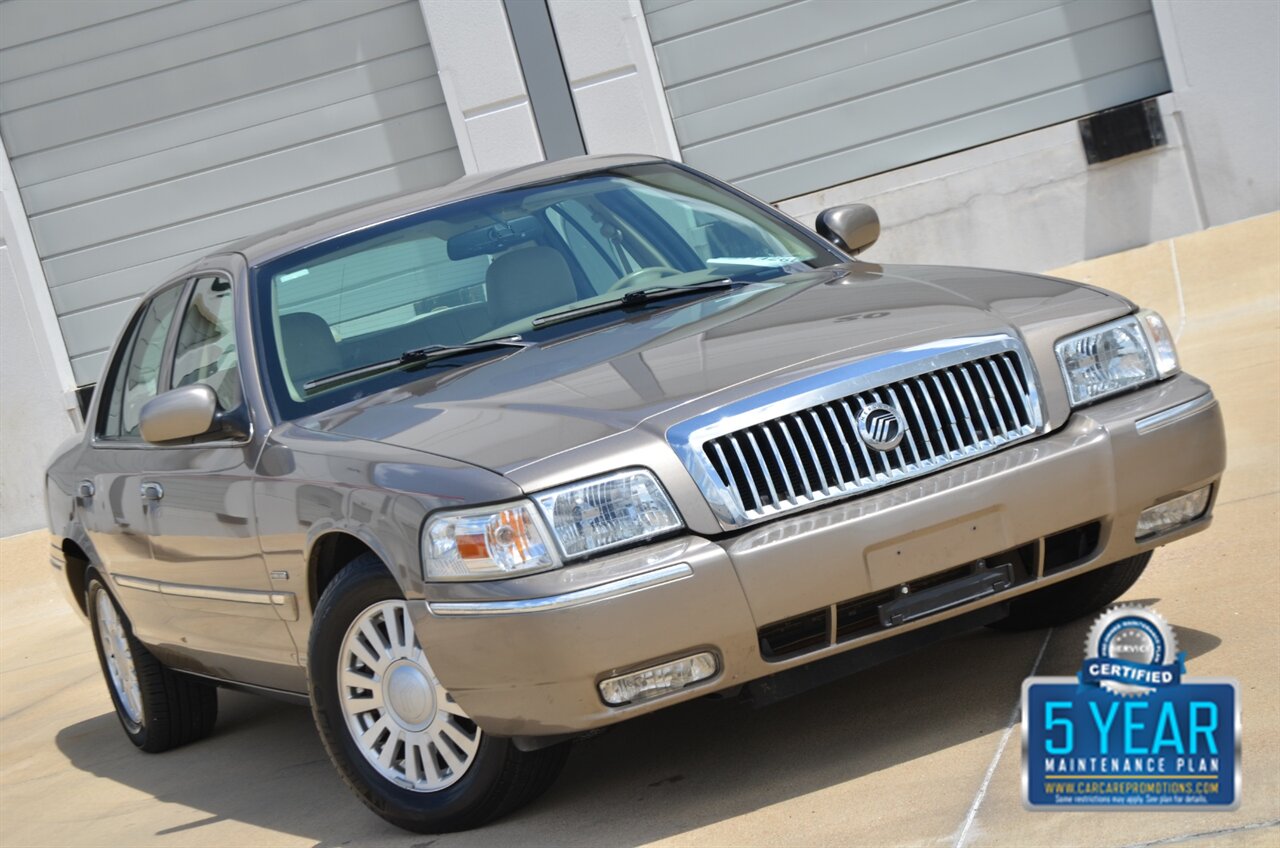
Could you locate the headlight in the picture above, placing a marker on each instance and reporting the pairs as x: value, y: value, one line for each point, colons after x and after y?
x: 482, y: 544
x: 1117, y: 356
x: 606, y: 512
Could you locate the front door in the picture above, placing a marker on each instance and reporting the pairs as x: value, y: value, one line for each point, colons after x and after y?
x: 113, y: 512
x: 173, y: 525
x: 200, y: 511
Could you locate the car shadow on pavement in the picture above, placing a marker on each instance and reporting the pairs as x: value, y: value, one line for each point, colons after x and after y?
x: 654, y: 777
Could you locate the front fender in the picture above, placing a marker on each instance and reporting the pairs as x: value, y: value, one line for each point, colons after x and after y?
x: 311, y: 485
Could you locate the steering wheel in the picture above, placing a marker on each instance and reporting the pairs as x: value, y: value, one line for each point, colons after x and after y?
x: 642, y: 276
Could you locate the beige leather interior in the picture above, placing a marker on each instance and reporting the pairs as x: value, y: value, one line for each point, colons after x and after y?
x: 527, y: 281
x: 309, y: 348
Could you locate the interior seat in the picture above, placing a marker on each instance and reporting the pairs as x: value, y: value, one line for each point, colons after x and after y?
x: 527, y: 281
x: 310, y: 351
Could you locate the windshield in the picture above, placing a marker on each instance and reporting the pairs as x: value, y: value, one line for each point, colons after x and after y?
x: 486, y: 268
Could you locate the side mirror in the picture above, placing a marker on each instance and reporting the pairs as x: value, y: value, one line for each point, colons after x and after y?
x: 852, y: 228
x: 181, y: 413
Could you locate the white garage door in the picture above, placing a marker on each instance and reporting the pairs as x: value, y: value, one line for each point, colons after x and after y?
x: 786, y: 97
x: 144, y: 134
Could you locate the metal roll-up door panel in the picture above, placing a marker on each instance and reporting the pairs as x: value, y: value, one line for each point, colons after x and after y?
x: 144, y: 135
x: 785, y: 98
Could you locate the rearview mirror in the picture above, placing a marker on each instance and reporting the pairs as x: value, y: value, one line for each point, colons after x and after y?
x: 852, y: 228
x: 182, y: 413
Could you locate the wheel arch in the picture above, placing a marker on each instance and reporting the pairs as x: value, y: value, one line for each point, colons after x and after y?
x: 76, y: 568
x: 332, y: 551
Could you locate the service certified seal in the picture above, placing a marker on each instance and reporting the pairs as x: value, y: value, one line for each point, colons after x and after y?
x: 1131, y: 731
x: 1131, y: 650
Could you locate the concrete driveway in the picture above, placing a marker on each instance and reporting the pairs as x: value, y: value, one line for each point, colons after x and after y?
x: 924, y: 751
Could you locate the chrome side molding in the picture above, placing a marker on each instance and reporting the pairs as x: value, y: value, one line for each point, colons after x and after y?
x: 285, y: 603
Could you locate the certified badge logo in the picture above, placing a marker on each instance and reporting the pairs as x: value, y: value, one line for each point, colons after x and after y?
x: 1130, y: 730
x: 1127, y: 652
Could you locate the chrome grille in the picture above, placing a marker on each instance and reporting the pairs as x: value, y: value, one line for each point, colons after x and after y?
x: 954, y: 407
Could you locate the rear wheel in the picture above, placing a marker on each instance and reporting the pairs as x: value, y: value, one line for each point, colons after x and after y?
x: 1075, y: 598
x: 395, y: 734
x: 158, y: 708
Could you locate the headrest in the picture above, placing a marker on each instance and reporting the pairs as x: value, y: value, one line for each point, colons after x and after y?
x: 527, y: 281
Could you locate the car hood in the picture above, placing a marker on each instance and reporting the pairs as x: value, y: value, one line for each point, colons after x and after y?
x: 506, y: 413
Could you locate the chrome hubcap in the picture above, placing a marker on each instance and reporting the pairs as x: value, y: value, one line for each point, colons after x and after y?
x: 410, y: 695
x: 403, y: 721
x: 115, y: 647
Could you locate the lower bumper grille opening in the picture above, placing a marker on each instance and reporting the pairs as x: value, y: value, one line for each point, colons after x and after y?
x: 861, y: 615
x: 888, y: 608
x: 796, y: 635
x: 1065, y: 549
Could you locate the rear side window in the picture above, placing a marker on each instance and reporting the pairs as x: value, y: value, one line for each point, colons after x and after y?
x: 135, y: 377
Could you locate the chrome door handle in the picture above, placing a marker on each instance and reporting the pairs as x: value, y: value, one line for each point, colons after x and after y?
x: 85, y: 489
x: 151, y: 491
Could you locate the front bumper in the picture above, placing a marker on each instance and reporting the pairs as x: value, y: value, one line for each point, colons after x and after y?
x: 524, y: 657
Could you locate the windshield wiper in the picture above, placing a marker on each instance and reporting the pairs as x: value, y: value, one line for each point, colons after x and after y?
x: 639, y: 297
x: 417, y: 355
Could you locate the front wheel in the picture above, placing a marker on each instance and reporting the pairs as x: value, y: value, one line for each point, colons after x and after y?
x: 1075, y: 598
x: 395, y: 734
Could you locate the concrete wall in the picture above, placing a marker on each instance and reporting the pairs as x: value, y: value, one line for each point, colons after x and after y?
x: 33, y: 417
x: 482, y: 83
x: 609, y: 62
x: 1225, y: 68
x: 1028, y: 203
x: 1032, y: 201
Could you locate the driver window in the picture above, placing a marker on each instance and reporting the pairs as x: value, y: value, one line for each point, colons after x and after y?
x: 137, y: 372
x: 713, y: 233
x: 601, y: 248
x: 601, y: 270
x: 206, y: 348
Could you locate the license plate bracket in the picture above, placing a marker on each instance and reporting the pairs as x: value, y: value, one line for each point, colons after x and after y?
x: 961, y: 590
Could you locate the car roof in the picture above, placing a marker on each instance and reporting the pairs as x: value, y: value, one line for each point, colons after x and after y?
x: 260, y: 248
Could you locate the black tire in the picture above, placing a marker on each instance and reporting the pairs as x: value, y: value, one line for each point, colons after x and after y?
x: 499, y: 780
x: 1075, y: 598
x: 176, y: 709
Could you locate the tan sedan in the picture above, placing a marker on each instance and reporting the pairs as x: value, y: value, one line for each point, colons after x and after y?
x: 484, y: 468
